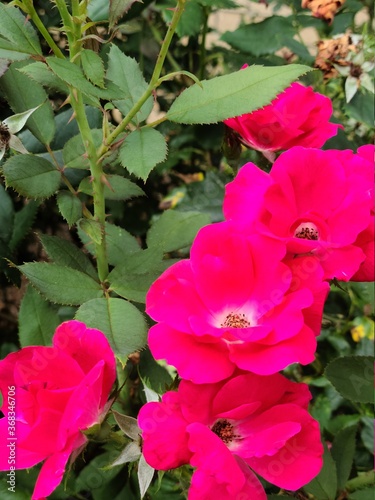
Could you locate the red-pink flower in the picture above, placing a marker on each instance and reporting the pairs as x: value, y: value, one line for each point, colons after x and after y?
x: 57, y: 392
x: 365, y: 240
x: 219, y: 428
x: 234, y: 303
x: 297, y: 117
x: 316, y: 202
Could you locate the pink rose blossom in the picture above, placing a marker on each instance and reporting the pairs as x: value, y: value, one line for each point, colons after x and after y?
x: 297, y: 117
x: 234, y: 303
x: 316, y: 202
x: 59, y: 391
x: 223, y: 428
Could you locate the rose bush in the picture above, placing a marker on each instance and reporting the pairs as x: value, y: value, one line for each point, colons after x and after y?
x: 60, y: 391
x: 219, y: 428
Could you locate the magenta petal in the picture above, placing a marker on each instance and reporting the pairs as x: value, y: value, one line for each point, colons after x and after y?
x: 212, y: 457
x: 87, y: 346
x: 265, y: 434
x: 342, y: 263
x: 173, y: 297
x: 24, y: 458
x: 269, y: 359
x: 82, y: 410
x: 365, y: 242
x: 205, y: 486
x: 187, y: 352
x: 300, y: 460
x: 53, y: 470
x: 244, y: 195
x: 165, y: 440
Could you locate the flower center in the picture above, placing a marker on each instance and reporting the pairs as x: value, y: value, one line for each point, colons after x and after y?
x: 4, y: 135
x: 234, y: 320
x: 224, y: 430
x: 307, y: 231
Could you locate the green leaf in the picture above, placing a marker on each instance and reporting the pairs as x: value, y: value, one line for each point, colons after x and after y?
x: 93, y: 67
x: 18, y: 30
x: 133, y: 277
x: 191, y: 19
x: 324, y: 485
x: 16, y: 122
x: 353, y: 376
x: 343, y: 449
x: 37, y: 319
x: 232, y: 95
x: 61, y: 284
x: 22, y: 94
x: 121, y: 188
x: 40, y: 72
x: 31, y: 176
x: 124, y: 326
x: 206, y: 196
x: 125, y: 73
x: 73, y: 76
x: 119, y: 243
x: 361, y: 108
x: 65, y: 253
x: 6, y: 215
x: 117, y: 8
x: 92, y: 229
x: 70, y: 206
x: 366, y: 494
x: 175, y: 230
x: 367, y: 433
x: 142, y: 150
x: 8, y: 52
x: 23, y: 221
x: 153, y: 374
x: 74, y: 150
x: 265, y: 37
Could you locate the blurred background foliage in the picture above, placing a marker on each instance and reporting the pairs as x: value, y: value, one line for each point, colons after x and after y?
x: 214, y: 37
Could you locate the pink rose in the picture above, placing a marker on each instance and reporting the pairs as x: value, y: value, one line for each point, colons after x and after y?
x: 316, y: 202
x: 234, y: 303
x: 59, y: 392
x: 297, y: 117
x: 223, y: 428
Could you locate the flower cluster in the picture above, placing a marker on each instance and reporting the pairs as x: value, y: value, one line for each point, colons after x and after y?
x: 249, y: 302
x: 59, y: 392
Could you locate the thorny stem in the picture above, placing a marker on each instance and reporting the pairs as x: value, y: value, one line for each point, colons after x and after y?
x: 158, y: 38
x: 153, y: 82
x: 73, y: 28
x: 28, y: 7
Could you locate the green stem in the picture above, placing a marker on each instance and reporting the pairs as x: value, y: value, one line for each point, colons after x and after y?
x: 67, y: 21
x: 366, y: 479
x: 28, y: 7
x: 73, y: 31
x: 158, y: 38
x: 97, y: 175
x: 153, y: 82
x: 202, y: 51
x: 167, y: 41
